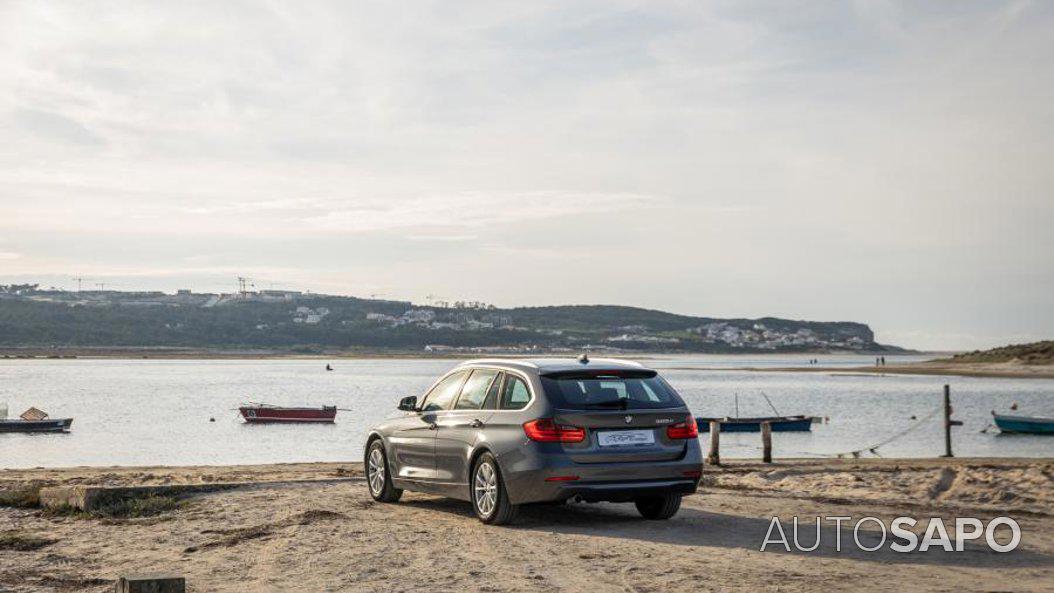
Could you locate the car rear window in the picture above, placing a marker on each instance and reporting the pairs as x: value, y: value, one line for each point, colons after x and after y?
x: 598, y: 391
x: 515, y: 395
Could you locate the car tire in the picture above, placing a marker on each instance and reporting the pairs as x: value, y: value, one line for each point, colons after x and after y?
x: 490, y: 499
x: 659, y: 508
x: 378, y: 478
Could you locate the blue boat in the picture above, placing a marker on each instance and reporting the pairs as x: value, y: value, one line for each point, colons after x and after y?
x: 741, y: 424
x: 778, y: 423
x: 1023, y: 424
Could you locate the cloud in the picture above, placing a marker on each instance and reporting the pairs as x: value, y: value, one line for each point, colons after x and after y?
x: 442, y: 238
x: 476, y: 209
x: 943, y: 341
x: 54, y: 126
x: 9, y: 255
x: 278, y: 205
x: 736, y: 151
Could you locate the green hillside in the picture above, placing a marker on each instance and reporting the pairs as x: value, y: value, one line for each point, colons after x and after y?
x: 1035, y: 353
x: 292, y: 321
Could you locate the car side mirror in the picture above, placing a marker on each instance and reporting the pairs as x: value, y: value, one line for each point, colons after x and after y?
x: 408, y: 404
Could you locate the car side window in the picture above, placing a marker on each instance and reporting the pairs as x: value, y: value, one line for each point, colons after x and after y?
x: 515, y: 394
x: 475, y: 389
x: 491, y: 403
x: 442, y: 395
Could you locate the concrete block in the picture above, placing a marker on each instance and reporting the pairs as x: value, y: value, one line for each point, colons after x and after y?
x: 63, y: 496
x: 90, y: 498
x: 151, y: 583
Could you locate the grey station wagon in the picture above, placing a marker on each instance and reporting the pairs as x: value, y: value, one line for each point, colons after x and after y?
x: 502, y: 433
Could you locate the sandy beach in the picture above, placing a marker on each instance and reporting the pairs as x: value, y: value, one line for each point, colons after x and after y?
x: 292, y: 535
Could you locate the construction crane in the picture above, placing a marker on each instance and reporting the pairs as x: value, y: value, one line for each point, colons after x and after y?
x: 244, y: 284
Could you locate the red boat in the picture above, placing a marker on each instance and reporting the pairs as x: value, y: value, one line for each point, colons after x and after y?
x: 266, y: 413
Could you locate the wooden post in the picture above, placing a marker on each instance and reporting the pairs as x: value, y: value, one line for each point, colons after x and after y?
x: 714, y: 458
x: 766, y: 442
x: 151, y: 583
x: 947, y: 422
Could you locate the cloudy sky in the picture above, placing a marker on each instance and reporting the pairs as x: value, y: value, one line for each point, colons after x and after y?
x: 891, y: 163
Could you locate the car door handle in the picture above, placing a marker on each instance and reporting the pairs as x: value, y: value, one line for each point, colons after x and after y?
x: 477, y: 423
x: 432, y: 426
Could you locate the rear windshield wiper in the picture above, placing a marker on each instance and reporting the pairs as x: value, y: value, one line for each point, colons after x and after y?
x: 610, y: 403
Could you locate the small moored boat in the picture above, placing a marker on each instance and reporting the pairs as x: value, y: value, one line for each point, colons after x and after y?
x: 33, y: 420
x: 1023, y: 424
x: 255, y: 413
x: 778, y: 423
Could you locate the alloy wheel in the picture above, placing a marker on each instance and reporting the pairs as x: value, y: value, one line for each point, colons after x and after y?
x: 486, y: 489
x: 375, y: 471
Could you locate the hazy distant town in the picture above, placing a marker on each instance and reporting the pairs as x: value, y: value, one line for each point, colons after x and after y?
x: 31, y: 316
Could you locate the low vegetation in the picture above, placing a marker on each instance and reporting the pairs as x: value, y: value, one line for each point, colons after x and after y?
x: 122, y: 508
x: 1036, y: 353
x: 60, y: 320
x: 17, y: 541
x: 134, y: 508
x: 21, y: 496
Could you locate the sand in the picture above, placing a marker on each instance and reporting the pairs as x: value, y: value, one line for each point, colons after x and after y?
x: 1008, y: 370
x: 331, y: 536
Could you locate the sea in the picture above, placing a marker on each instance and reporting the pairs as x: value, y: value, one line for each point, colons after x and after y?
x: 183, y: 412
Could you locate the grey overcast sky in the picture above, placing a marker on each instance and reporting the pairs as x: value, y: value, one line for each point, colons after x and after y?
x: 882, y: 162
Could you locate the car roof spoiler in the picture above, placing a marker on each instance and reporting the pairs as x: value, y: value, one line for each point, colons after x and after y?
x: 600, y: 373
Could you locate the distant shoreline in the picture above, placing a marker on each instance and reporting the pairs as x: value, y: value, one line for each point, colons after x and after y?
x: 134, y: 353
x: 1007, y: 370
x: 988, y: 370
x: 194, y: 354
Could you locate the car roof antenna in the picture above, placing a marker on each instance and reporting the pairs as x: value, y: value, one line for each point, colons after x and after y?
x: 584, y: 358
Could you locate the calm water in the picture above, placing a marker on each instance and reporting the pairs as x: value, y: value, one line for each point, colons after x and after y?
x: 147, y: 412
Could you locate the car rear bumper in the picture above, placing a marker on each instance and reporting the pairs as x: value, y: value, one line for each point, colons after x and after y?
x: 623, y: 491
x: 546, y: 478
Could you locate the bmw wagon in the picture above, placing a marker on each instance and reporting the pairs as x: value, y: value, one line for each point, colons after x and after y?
x: 506, y: 432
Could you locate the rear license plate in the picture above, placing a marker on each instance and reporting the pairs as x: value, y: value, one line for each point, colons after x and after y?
x: 625, y: 438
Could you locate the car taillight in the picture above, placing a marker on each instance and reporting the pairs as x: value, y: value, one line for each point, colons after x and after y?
x: 544, y: 430
x: 683, y: 430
